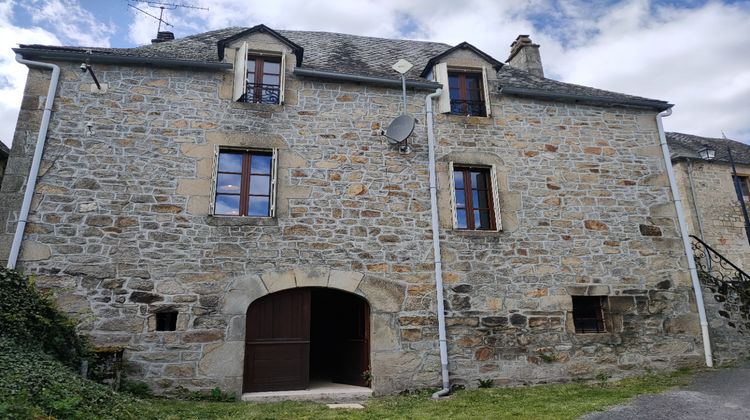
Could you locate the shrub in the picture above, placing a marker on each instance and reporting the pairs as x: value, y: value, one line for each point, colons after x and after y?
x: 29, y: 318
x: 33, y: 382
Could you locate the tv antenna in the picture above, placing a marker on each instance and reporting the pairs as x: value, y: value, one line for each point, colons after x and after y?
x: 162, y: 6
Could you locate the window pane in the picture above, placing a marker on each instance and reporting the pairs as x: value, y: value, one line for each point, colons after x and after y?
x: 260, y: 184
x: 226, y: 183
x: 250, y: 65
x: 228, y: 204
x: 260, y: 164
x: 270, y: 80
x: 271, y: 67
x: 460, y: 199
x: 461, y: 219
x: 453, y: 82
x: 743, y: 185
x: 481, y: 219
x: 479, y: 199
x: 258, y: 206
x: 478, y: 180
x: 458, y: 177
x: 230, y: 162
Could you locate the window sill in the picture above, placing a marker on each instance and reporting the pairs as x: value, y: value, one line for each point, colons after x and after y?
x: 241, y: 221
x: 466, y: 232
x: 258, y: 106
x: 469, y: 119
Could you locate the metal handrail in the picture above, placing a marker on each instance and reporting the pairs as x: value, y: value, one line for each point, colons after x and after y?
x: 464, y: 107
x: 260, y: 93
x: 714, y: 256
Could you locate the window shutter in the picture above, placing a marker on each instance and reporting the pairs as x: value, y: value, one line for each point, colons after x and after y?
x: 452, y: 181
x: 240, y: 72
x: 282, y: 76
x: 274, y: 181
x: 441, y: 76
x: 486, y: 87
x: 495, y: 198
x: 211, y: 204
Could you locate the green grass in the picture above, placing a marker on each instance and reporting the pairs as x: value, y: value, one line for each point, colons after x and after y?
x: 566, y: 401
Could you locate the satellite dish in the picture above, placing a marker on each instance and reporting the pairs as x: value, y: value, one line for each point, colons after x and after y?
x: 400, y: 129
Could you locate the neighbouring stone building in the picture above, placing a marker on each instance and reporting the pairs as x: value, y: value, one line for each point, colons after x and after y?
x: 714, y: 214
x: 4, y: 153
x: 225, y: 208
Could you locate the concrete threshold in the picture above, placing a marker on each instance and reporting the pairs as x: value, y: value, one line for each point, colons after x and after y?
x: 325, y: 392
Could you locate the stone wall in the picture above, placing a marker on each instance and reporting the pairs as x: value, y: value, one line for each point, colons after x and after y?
x: 714, y: 200
x: 712, y: 203
x: 120, y: 229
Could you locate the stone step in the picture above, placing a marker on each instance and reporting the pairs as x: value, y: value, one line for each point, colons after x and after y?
x: 324, y: 392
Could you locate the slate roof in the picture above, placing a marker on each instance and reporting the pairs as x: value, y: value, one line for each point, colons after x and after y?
x: 359, y: 55
x: 687, y: 146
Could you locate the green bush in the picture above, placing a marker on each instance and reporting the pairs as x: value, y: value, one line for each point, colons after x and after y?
x: 29, y: 318
x: 33, y: 382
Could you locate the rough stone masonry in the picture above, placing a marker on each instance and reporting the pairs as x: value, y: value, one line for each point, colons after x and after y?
x: 120, y: 229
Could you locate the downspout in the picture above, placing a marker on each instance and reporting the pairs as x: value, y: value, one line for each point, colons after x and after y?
x: 685, y: 239
x: 34, y: 171
x: 436, y: 248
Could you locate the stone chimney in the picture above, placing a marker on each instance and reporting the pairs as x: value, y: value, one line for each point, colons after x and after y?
x: 524, y: 55
x: 163, y: 36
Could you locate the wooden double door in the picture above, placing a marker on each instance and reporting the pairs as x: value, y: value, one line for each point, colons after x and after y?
x: 301, y: 334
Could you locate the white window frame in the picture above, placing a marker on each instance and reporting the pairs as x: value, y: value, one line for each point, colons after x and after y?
x: 493, y: 188
x: 239, y: 87
x: 274, y: 180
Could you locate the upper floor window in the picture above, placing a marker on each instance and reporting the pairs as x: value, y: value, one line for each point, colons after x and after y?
x: 465, y: 90
x: 466, y: 93
x: 258, y: 76
x: 744, y: 182
x: 263, y: 81
x: 474, y: 197
x: 245, y: 183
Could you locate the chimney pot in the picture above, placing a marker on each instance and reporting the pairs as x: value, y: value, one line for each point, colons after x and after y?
x: 524, y: 55
x: 163, y: 36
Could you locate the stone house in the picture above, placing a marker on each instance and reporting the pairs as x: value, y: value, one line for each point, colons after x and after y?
x: 225, y: 208
x: 714, y: 214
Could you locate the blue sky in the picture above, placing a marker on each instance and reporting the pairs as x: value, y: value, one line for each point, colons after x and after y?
x: 693, y: 53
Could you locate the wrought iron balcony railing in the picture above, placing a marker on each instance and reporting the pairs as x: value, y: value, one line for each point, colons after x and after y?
x: 462, y: 107
x: 259, y: 93
x: 715, y: 267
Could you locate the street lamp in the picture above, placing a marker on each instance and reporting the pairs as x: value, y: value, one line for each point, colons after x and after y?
x: 707, y: 153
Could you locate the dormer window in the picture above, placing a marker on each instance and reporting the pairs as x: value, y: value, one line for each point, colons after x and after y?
x: 263, y: 81
x: 465, y: 90
x: 258, y: 76
x: 466, y: 93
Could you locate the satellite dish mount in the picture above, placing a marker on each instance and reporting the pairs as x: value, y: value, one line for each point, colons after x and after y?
x: 401, y: 128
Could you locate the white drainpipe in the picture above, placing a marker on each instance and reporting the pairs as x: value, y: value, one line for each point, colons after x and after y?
x: 34, y: 172
x: 685, y: 239
x: 436, y: 249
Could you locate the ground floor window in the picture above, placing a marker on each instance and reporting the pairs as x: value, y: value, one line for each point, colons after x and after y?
x: 588, y: 314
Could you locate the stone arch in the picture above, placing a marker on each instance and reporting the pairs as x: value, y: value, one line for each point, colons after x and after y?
x: 225, y: 361
x: 382, y: 295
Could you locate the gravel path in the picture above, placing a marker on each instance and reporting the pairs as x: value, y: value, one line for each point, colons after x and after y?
x: 720, y: 394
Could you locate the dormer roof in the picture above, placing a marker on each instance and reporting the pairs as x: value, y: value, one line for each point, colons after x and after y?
x: 462, y: 46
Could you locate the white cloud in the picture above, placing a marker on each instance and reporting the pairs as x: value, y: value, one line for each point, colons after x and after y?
x: 70, y: 21
x: 13, y: 74
x: 698, y: 59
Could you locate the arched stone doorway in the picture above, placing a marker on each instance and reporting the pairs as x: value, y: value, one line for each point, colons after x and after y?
x: 306, y: 334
